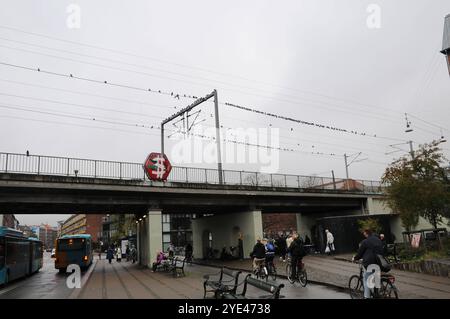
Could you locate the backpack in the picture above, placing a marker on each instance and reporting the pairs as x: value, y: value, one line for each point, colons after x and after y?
x: 270, y: 247
x: 385, y: 266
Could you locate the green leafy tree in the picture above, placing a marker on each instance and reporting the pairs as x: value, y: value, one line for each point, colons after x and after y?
x: 369, y: 223
x: 418, y: 186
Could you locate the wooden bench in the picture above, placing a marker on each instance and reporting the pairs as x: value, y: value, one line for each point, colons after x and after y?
x: 217, y: 284
x: 273, y: 288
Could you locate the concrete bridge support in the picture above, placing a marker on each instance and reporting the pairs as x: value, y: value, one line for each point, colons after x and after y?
x: 304, y: 224
x: 222, y: 230
x: 377, y: 205
x: 149, y: 239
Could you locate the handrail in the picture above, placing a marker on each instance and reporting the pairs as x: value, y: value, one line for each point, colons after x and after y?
x: 83, y: 167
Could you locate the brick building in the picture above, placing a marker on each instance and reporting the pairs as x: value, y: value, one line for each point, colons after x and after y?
x: 275, y: 223
x: 83, y: 224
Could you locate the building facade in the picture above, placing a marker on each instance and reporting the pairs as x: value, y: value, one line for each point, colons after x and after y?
x: 47, y: 234
x: 83, y: 224
x: 9, y: 220
x: 116, y: 227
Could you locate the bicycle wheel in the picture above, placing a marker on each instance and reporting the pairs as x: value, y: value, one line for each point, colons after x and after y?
x: 356, y: 287
x: 387, y: 290
x: 273, y: 273
x: 289, y: 273
x: 303, y: 277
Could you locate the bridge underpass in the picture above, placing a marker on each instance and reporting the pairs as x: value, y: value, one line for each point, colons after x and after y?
x: 38, y: 184
x: 230, y: 207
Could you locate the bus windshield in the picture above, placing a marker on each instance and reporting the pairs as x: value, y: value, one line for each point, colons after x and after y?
x: 71, y: 244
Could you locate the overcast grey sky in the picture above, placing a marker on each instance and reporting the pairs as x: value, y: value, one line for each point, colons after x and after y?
x: 37, y: 219
x: 313, y: 60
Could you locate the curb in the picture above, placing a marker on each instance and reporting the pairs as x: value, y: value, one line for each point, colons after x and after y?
x: 342, y: 259
x: 327, y: 284
x: 84, y: 280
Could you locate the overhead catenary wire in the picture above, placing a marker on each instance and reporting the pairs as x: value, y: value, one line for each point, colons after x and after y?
x: 328, y: 106
x: 349, y: 131
x: 309, y: 123
x: 80, y: 105
x: 152, y: 127
x: 72, y: 76
x: 124, y: 53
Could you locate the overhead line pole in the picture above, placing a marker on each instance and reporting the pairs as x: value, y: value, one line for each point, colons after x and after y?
x: 217, y: 124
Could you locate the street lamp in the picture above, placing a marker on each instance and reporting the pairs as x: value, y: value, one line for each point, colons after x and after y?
x: 446, y: 41
x: 408, y: 124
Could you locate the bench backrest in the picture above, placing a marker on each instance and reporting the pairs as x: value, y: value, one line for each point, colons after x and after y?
x: 273, y: 288
x: 180, y: 262
x: 232, y: 273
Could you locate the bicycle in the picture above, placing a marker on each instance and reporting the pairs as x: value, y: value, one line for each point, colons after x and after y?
x: 301, y: 277
x: 271, y: 270
x: 261, y: 272
x: 387, y: 289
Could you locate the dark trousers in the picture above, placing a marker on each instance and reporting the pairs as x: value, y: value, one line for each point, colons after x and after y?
x: 294, y: 262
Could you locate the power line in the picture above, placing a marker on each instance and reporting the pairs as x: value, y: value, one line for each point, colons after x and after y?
x: 76, y: 125
x: 291, y: 130
x: 79, y: 105
x: 190, y: 96
x: 371, y: 106
x: 172, y: 94
x: 88, y: 94
x: 327, y: 106
x: 190, y: 67
x: 96, y: 119
x: 429, y: 123
x: 303, y: 122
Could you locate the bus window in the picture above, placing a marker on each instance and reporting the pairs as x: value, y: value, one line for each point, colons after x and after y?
x: 68, y: 244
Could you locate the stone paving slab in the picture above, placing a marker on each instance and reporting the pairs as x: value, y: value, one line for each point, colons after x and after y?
x: 126, y: 280
x: 330, y: 271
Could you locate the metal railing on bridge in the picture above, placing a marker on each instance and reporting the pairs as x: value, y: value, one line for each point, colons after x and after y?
x: 78, y: 167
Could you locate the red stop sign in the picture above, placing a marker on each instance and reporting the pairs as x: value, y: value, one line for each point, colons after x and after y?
x: 157, y: 167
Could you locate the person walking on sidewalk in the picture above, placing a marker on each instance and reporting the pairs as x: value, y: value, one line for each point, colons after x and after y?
x: 241, y: 246
x: 110, y: 254
x: 330, y: 242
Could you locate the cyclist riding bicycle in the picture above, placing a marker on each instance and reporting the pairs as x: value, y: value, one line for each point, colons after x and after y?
x: 368, y: 250
x: 297, y: 251
x: 258, y: 254
x: 270, y: 254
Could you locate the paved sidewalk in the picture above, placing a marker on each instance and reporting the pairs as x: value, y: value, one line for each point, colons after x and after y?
x: 331, y: 271
x: 123, y: 280
x: 130, y: 281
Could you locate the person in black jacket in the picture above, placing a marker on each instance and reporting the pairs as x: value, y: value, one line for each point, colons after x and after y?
x: 297, y: 251
x: 384, y: 245
x: 258, y: 254
x: 368, y: 250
